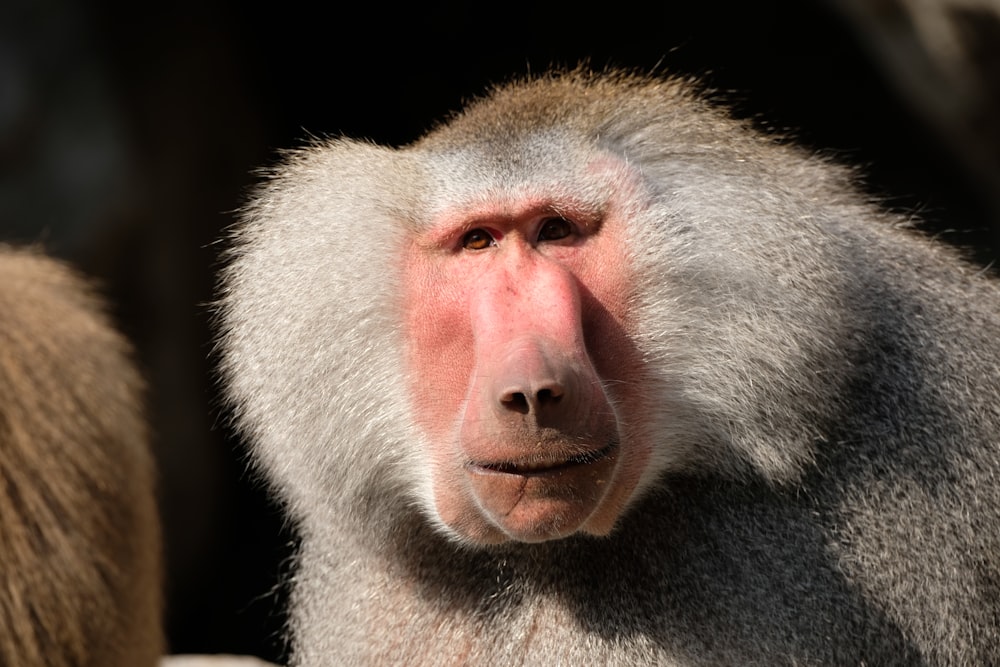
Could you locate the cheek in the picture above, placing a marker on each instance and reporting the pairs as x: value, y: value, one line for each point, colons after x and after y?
x: 606, y: 293
x: 440, y: 363
x: 439, y: 344
x: 610, y: 333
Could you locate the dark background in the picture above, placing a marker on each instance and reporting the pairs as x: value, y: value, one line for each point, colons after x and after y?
x: 129, y: 134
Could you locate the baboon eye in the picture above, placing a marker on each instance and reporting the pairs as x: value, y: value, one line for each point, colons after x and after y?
x: 553, y: 229
x: 477, y: 239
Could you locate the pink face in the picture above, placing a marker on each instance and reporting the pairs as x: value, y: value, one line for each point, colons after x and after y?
x: 522, y: 369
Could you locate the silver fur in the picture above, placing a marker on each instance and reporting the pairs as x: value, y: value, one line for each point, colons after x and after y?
x: 825, y: 489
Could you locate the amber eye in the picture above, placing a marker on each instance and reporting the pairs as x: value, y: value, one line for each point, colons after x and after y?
x: 554, y: 229
x: 477, y: 239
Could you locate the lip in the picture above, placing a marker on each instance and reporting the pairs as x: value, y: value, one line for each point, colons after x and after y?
x: 534, y: 497
x: 539, y: 466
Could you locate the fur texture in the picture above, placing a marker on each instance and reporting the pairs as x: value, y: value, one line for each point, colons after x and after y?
x: 79, y: 533
x: 821, y: 385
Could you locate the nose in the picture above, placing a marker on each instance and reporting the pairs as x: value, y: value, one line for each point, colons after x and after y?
x: 537, y: 385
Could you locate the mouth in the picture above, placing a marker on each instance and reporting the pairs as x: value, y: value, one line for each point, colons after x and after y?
x: 545, y: 465
x: 542, y: 493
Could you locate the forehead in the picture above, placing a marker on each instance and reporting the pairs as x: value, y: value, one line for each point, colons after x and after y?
x: 547, y: 166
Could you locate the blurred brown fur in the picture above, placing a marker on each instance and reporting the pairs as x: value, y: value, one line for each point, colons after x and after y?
x: 79, y: 535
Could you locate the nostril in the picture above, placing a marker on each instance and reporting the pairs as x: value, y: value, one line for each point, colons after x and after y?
x: 525, y: 403
x: 549, y: 397
x: 516, y: 401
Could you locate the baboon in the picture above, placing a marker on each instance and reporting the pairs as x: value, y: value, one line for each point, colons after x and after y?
x: 594, y: 373
x: 79, y: 534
